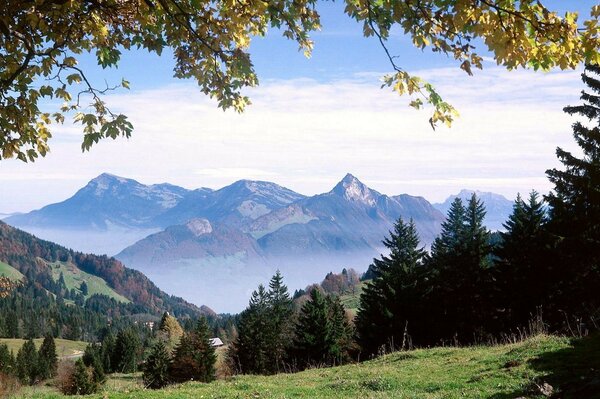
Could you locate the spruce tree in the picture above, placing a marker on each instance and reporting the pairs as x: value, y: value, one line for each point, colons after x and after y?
x: 575, y: 207
x: 48, y: 359
x: 390, y: 301
x: 156, y: 367
x: 194, y: 358
x: 27, y: 363
x: 280, y: 328
x: 522, y: 274
x: 7, y: 360
x: 127, y: 351
x: 250, y: 352
x: 323, y: 334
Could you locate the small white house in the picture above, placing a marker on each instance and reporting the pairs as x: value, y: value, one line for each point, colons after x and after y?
x: 216, y: 342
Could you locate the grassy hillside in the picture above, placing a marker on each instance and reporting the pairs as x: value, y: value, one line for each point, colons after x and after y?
x: 10, y: 272
x: 75, y: 276
x: 351, y: 300
x: 64, y: 347
x: 499, y: 372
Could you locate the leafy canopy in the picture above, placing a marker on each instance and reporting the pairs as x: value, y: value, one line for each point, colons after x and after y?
x: 41, y: 42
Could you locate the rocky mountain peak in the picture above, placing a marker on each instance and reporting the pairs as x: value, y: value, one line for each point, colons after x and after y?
x: 353, y: 189
x: 199, y: 227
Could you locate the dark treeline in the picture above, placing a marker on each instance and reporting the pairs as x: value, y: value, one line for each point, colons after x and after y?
x: 476, y: 287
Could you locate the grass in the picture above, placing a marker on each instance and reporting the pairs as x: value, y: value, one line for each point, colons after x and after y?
x: 352, y: 299
x: 64, y: 347
x: 10, y: 272
x: 572, y: 367
x: 74, y: 277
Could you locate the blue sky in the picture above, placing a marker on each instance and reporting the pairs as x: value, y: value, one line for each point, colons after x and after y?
x: 314, y: 120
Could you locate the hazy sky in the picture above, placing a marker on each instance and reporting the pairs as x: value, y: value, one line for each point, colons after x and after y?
x: 314, y: 120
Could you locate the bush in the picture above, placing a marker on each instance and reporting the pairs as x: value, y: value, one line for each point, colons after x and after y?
x: 9, y: 385
x: 77, y: 379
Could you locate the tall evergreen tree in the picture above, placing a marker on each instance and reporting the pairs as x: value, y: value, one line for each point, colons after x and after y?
x: 7, y: 360
x: 127, y: 351
x: 523, y: 274
x: 27, y: 363
x: 391, y: 300
x: 194, y: 358
x: 156, y: 367
x: 280, y: 330
x: 323, y: 334
x: 575, y: 206
x: 460, y: 264
x: 249, y: 353
x: 47, y: 358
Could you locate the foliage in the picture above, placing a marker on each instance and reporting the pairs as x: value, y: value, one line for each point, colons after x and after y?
x: 194, y: 358
x: 575, y: 207
x: 81, y: 381
x: 156, y: 367
x: 264, y: 331
x: 127, y: 352
x: 323, y: 335
x: 390, y: 302
x: 48, y: 359
x: 41, y: 44
x: 27, y: 364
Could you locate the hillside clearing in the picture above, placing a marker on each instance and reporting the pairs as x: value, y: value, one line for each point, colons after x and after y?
x: 64, y: 347
x: 571, y: 367
x: 10, y: 272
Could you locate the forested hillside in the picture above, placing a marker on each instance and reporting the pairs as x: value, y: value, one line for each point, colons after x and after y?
x: 73, y: 294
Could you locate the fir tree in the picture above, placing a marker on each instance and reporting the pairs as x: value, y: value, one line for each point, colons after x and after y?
x: 83, y: 287
x: 7, y: 360
x: 390, y: 301
x: 27, y: 363
x: 280, y: 329
x: 156, y: 367
x: 522, y: 272
x: 194, y: 358
x: 249, y: 353
x: 575, y: 207
x: 127, y: 351
x: 48, y: 359
x: 83, y: 380
x: 323, y: 334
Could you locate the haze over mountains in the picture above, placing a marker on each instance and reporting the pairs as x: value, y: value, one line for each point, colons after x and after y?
x: 214, y: 246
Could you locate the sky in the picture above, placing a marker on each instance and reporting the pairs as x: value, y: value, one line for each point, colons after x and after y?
x: 314, y: 120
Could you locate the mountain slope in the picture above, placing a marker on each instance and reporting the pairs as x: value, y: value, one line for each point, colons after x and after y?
x: 234, y: 205
x: 35, y: 259
x: 498, y: 208
x: 106, y: 200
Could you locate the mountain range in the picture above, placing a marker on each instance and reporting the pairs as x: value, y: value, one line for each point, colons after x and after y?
x: 215, y: 246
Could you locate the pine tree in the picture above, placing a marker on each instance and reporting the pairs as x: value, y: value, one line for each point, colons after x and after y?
x: 249, y: 353
x: 83, y: 380
x: 27, y: 363
x: 522, y: 274
x: 107, y: 355
x: 127, y: 351
x: 460, y: 263
x: 575, y: 207
x: 194, y: 358
x: 391, y: 299
x: 83, y: 287
x: 280, y: 329
x: 323, y: 334
x: 7, y: 360
x: 156, y: 367
x: 48, y: 359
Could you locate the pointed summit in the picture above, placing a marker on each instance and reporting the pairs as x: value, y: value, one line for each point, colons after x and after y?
x: 353, y: 189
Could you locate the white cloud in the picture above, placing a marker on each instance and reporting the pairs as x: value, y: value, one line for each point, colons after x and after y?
x: 306, y: 135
